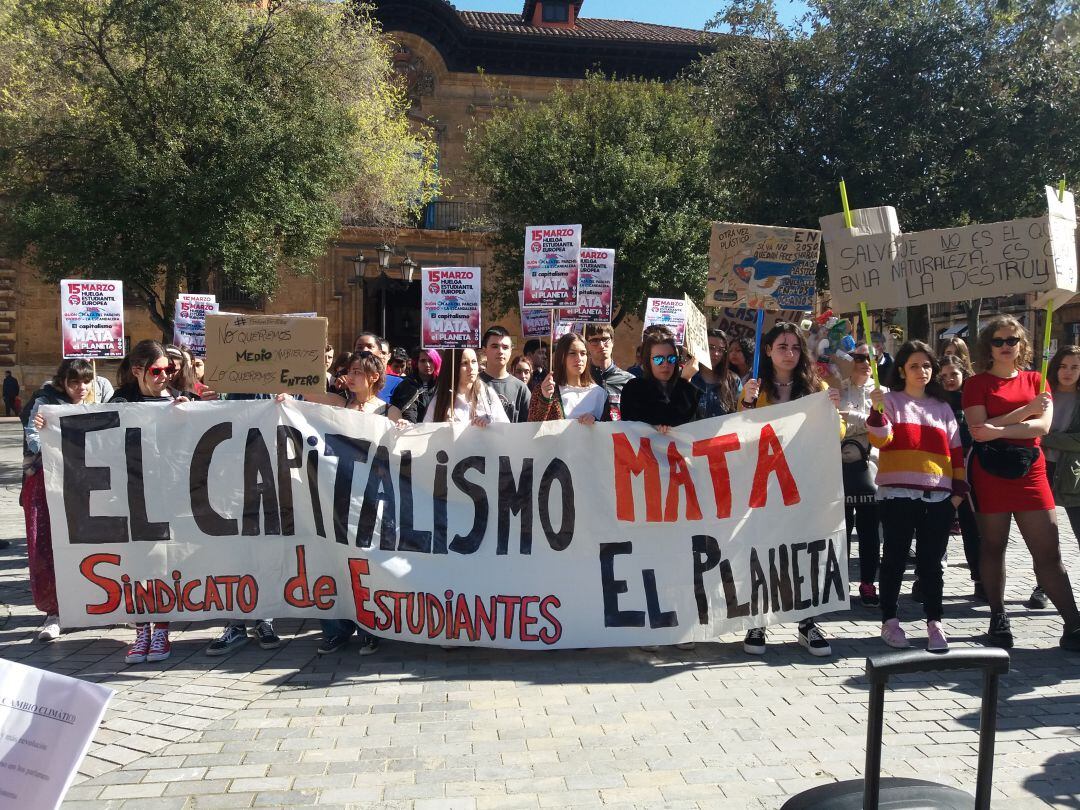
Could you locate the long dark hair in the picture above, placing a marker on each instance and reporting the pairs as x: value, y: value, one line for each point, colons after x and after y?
x: 558, y: 361
x: 804, y: 378
x: 1055, y: 365
x: 746, y: 348
x: 726, y: 377
x: 933, y: 388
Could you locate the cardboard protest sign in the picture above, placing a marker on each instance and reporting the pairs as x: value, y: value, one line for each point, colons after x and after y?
x: 875, y: 263
x: 538, y: 535
x: 762, y: 267
x: 596, y: 284
x: 535, y: 321
x: 265, y: 354
x: 697, y: 333
x: 92, y: 319
x: 551, y: 265
x: 189, y: 321
x: 669, y: 312
x: 47, y: 722
x: 450, y: 307
x: 739, y: 323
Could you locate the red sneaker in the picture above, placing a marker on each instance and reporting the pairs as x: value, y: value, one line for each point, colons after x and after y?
x: 137, y: 652
x: 160, y: 649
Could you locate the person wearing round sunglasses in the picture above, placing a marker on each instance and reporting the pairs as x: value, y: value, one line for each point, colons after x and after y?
x: 660, y: 397
x: 859, y: 470
x: 145, y: 376
x: 787, y: 373
x: 1007, y: 415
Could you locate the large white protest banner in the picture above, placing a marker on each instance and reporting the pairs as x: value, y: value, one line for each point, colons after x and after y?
x: 46, y: 724
x: 450, y: 307
x: 537, y: 535
x: 189, y: 321
x: 92, y: 318
x: 265, y: 354
x: 762, y: 267
x: 596, y: 285
x: 875, y: 263
x: 552, y: 261
x: 668, y: 312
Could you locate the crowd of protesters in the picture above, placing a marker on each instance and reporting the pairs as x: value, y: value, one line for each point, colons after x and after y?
x: 943, y: 445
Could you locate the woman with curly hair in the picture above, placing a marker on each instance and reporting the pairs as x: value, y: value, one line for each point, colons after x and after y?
x: 1007, y: 416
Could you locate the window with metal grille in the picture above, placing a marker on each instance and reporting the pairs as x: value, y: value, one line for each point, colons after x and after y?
x: 230, y: 294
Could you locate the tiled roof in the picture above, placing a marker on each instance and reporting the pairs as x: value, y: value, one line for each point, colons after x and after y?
x: 586, y: 28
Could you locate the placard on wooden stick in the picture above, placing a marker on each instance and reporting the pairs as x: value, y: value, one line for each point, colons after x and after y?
x: 874, y: 262
x: 265, y: 354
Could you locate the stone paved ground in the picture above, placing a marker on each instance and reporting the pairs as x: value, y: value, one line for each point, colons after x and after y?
x: 419, y: 727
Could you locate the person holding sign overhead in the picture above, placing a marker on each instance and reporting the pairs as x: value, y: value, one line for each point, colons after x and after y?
x: 569, y: 391
x: 1008, y: 411
x: 787, y: 373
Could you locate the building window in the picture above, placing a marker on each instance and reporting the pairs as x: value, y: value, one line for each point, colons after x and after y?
x: 230, y: 294
x: 556, y: 12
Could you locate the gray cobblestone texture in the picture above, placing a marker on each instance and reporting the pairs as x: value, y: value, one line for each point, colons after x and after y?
x: 422, y: 728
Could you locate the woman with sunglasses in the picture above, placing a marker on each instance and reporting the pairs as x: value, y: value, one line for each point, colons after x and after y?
x: 72, y: 384
x: 859, y: 470
x: 569, y: 391
x: 720, y: 387
x: 1007, y: 416
x: 787, y: 373
x: 660, y: 397
x: 146, y: 377
x: 921, y: 481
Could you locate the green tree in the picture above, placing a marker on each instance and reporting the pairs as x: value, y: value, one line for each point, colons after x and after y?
x: 953, y: 111
x: 162, y: 141
x: 629, y: 160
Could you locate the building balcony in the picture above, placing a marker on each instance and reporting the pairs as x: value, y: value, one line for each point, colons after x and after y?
x: 445, y: 215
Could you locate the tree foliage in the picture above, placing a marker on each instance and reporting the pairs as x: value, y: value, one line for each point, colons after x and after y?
x: 953, y: 111
x: 629, y: 160
x: 161, y: 141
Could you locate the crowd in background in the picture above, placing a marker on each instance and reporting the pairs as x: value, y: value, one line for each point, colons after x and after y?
x: 948, y: 445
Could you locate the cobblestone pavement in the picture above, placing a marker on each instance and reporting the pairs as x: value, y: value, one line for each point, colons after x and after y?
x: 420, y: 727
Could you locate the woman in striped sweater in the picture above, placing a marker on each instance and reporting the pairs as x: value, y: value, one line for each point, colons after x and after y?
x: 920, y: 483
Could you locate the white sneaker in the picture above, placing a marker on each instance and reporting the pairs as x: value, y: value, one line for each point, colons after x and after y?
x: 50, y: 631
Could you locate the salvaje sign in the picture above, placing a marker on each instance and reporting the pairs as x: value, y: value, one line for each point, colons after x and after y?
x: 537, y: 535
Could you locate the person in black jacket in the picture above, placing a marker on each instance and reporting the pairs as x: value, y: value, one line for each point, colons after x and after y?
x: 11, y: 393
x: 661, y: 397
x: 417, y: 390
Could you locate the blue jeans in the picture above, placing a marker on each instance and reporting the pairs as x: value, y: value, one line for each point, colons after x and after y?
x: 337, y: 628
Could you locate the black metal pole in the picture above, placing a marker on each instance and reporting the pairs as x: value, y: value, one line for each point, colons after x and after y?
x: 987, y: 730
x: 874, y: 729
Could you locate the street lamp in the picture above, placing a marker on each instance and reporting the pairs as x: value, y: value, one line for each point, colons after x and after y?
x: 408, y: 267
x: 358, y: 262
x: 385, y: 252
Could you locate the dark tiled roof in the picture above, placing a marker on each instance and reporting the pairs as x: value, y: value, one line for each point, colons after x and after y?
x: 586, y: 28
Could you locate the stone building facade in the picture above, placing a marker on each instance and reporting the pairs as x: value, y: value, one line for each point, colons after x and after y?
x: 451, y: 62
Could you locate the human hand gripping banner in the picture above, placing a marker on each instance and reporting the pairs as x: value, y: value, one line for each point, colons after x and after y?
x: 535, y: 536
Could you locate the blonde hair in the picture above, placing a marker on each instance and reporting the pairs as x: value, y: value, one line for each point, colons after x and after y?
x: 983, y: 354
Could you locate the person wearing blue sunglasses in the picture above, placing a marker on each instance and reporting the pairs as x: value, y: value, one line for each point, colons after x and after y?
x: 661, y: 397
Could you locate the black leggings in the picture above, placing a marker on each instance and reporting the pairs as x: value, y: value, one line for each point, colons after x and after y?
x: 969, y: 530
x: 901, y: 520
x: 863, y: 516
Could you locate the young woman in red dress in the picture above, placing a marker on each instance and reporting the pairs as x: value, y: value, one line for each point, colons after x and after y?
x: 1007, y: 415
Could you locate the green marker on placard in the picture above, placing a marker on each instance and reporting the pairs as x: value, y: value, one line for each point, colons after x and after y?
x: 1061, y: 189
x: 1046, y: 344
x: 844, y: 202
